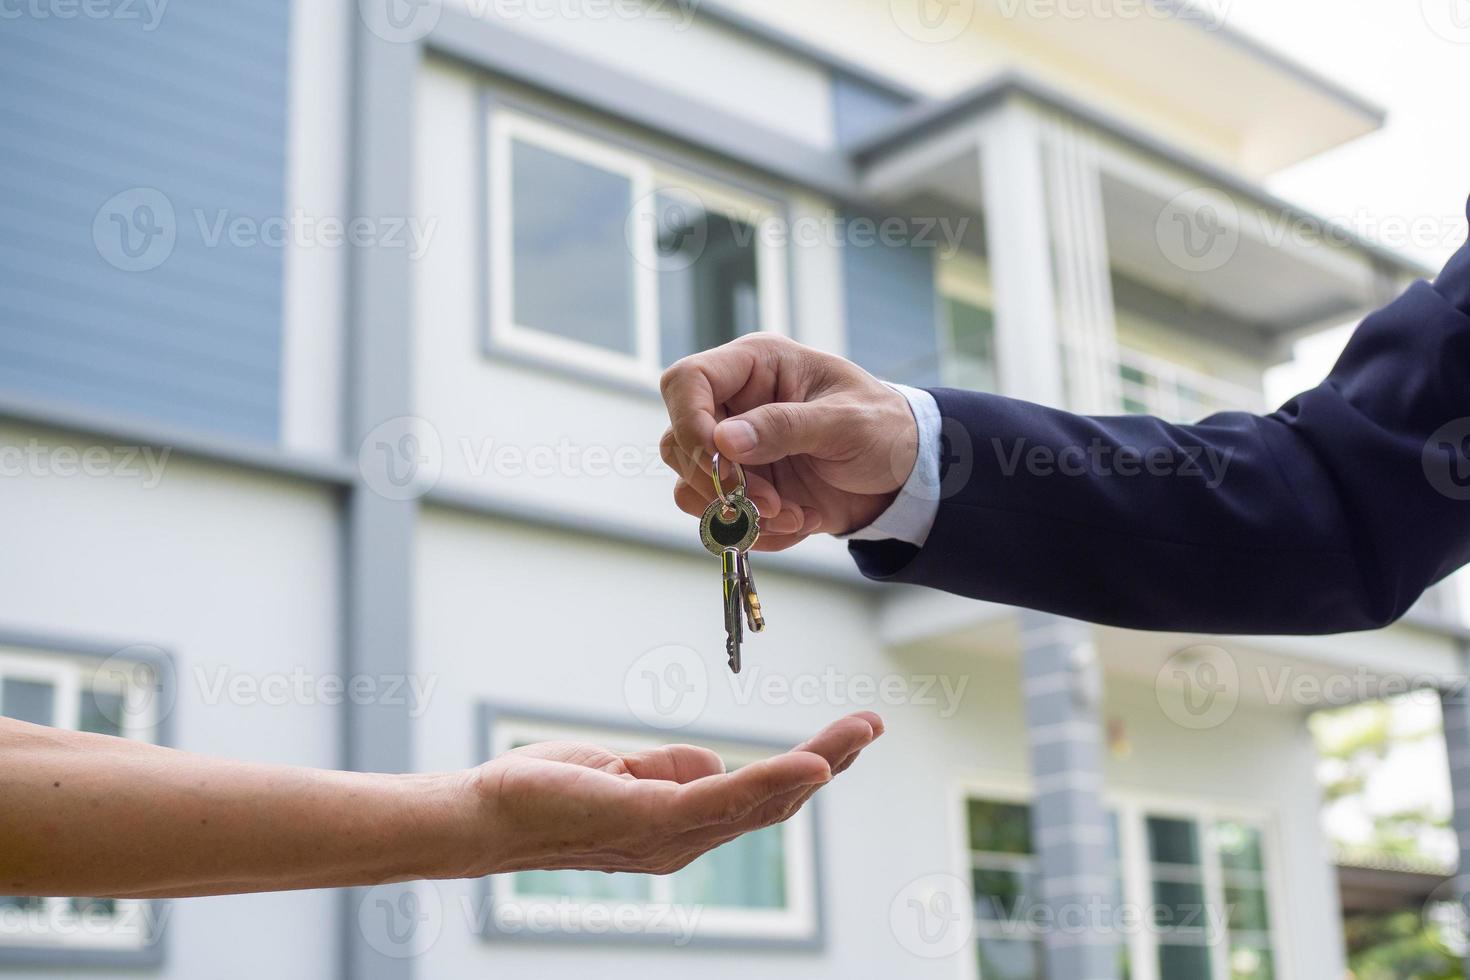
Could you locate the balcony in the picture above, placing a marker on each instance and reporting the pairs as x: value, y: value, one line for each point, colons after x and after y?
x: 1149, y: 385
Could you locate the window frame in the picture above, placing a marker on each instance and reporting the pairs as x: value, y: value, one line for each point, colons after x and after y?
x: 647, y: 171
x: 1133, y: 808
x: 800, y: 925
x: 135, y: 939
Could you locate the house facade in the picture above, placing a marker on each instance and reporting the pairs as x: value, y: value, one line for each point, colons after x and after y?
x: 329, y: 413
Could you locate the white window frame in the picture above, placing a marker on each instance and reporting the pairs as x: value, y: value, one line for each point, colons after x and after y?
x: 58, y: 927
x: 646, y: 176
x: 797, y: 922
x: 1132, y: 809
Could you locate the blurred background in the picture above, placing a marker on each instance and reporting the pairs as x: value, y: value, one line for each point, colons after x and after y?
x: 330, y: 337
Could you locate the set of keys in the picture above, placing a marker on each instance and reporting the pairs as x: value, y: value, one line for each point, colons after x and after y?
x: 729, y: 528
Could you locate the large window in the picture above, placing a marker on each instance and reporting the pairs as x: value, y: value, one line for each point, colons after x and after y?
x: 607, y: 261
x: 112, y: 697
x: 761, y: 886
x: 1194, y: 879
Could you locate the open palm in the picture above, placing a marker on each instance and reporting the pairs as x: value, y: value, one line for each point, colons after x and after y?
x: 578, y: 806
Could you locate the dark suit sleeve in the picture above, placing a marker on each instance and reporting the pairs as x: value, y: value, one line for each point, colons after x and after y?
x: 1333, y: 514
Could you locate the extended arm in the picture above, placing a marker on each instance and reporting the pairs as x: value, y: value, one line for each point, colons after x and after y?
x: 89, y: 815
x: 1334, y: 513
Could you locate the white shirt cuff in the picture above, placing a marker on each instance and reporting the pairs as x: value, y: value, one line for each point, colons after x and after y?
x: 911, y: 515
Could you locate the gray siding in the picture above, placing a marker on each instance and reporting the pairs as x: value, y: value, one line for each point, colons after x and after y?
x: 892, y: 315
x: 191, y: 105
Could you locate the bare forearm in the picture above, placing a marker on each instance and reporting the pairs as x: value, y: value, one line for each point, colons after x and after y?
x: 90, y: 815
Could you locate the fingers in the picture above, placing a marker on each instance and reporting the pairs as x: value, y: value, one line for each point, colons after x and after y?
x: 844, y: 738
x: 772, y: 432
x: 695, y: 387
x: 840, y: 743
x: 719, y: 800
x: 675, y: 763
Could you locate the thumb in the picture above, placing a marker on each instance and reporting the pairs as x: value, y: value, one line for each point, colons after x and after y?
x: 781, y: 429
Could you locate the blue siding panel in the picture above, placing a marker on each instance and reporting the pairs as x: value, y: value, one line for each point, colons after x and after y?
x: 860, y: 109
x: 193, y: 109
x: 892, y: 312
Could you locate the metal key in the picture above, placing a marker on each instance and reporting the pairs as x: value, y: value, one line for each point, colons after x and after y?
x: 753, y: 615
x: 734, y: 590
x: 731, y: 524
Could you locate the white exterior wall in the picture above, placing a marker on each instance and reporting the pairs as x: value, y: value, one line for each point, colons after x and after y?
x: 479, y: 404
x: 227, y: 571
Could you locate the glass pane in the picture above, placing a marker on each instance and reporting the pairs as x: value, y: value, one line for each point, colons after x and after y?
x: 1184, y: 962
x: 1251, y: 964
x: 749, y: 873
x: 999, y: 894
x: 972, y: 345
x: 28, y: 701
x: 587, y: 885
x: 1179, y: 905
x: 1239, y: 846
x: 573, y: 269
x: 1172, y: 841
x: 101, y: 711
x: 1247, y: 908
x: 1009, y: 959
x: 707, y: 287
x: 1004, y: 828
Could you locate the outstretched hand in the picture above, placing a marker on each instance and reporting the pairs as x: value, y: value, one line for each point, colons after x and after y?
x: 825, y: 445
x: 577, y: 806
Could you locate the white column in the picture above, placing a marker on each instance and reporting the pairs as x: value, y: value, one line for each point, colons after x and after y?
x: 1056, y: 337
x: 1018, y: 239
x: 1085, y: 322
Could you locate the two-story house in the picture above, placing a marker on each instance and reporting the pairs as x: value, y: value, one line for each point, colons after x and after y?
x: 330, y: 335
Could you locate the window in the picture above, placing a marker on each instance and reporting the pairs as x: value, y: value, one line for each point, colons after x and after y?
x: 111, y: 697
x: 1003, y: 876
x: 1199, y: 877
x: 759, y: 887
x: 967, y: 324
x: 606, y: 261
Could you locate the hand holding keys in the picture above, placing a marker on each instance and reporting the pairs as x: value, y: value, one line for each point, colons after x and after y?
x: 731, y: 524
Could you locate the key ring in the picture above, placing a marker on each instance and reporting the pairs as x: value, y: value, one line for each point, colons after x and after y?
x: 739, y: 490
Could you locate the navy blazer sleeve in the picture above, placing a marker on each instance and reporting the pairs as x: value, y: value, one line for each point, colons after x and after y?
x: 1332, y: 514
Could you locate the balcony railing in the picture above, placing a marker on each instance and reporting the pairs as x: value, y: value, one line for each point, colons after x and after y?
x: 1149, y: 385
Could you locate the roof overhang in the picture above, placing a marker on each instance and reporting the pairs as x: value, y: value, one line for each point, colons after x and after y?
x: 1183, y: 60
x: 1291, y: 272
